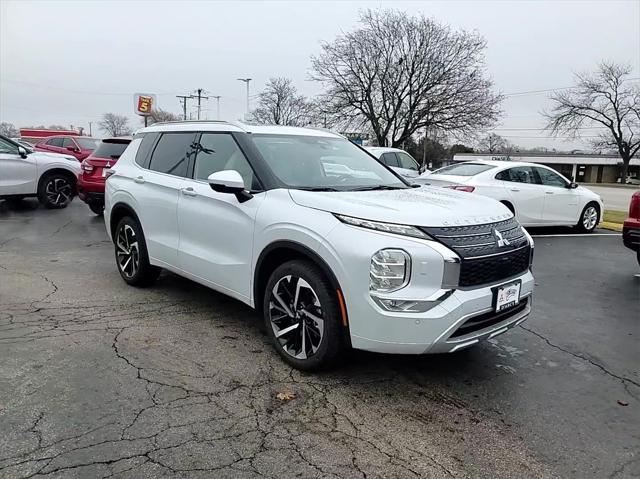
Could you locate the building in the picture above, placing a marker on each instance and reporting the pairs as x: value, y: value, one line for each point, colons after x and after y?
x: 34, y: 135
x: 583, y: 168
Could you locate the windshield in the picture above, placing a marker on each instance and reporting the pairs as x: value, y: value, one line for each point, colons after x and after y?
x: 110, y: 150
x: 321, y: 163
x: 463, y: 169
x: 87, y: 143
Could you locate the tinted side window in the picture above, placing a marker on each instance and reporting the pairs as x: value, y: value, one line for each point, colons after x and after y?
x: 66, y: 142
x: 218, y: 152
x: 520, y: 174
x: 407, y: 161
x: 549, y: 178
x: 55, y: 142
x: 390, y: 159
x: 142, y: 155
x: 7, y: 147
x: 171, y: 154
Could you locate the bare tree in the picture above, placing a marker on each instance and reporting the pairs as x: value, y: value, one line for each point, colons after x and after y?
x: 159, y: 115
x: 605, y: 99
x: 397, y: 73
x: 493, y: 143
x: 280, y: 104
x: 115, y: 125
x: 9, y: 130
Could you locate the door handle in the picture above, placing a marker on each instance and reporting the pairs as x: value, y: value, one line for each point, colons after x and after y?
x: 188, y: 191
x: 549, y: 192
x: 139, y: 179
x: 515, y: 189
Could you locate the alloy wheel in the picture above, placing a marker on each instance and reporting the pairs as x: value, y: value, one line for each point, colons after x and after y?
x: 590, y: 218
x: 58, y: 191
x: 127, y: 253
x: 296, y: 317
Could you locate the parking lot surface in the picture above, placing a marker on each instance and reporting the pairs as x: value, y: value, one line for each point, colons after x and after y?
x: 98, y: 379
x: 615, y: 198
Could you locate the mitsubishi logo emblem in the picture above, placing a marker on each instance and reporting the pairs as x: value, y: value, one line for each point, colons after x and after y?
x: 501, y: 241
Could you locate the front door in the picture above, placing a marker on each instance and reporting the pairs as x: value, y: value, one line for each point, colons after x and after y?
x: 560, y: 201
x: 216, y: 230
x: 18, y: 176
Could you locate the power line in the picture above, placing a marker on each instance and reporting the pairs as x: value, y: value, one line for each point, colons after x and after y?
x: 533, y: 92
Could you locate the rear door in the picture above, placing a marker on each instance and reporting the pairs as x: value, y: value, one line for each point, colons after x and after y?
x: 17, y: 175
x: 216, y: 230
x: 157, y: 189
x: 54, y: 145
x: 527, y: 196
x: 560, y: 202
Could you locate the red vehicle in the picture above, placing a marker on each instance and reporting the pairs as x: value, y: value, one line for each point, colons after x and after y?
x: 631, y: 227
x: 93, y: 176
x: 78, y: 146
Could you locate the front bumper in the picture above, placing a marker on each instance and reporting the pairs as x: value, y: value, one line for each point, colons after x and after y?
x: 631, y: 234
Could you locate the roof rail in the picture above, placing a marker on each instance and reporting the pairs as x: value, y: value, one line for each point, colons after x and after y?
x: 173, y: 122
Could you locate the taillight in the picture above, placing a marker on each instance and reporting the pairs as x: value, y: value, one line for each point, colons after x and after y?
x: 468, y: 189
x: 634, y: 206
x: 86, y: 167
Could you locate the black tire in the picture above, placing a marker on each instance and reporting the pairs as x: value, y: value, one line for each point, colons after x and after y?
x: 97, y: 207
x: 56, y: 190
x: 129, y: 243
x: 320, y: 300
x: 586, y: 223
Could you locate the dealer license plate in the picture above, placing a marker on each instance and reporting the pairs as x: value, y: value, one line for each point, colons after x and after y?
x: 507, y: 296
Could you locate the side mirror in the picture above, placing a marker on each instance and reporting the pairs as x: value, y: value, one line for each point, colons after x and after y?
x: 22, y: 151
x: 572, y: 185
x: 72, y: 148
x: 229, y: 181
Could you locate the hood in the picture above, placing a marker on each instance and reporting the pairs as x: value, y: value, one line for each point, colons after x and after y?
x: 53, y: 156
x: 425, y: 206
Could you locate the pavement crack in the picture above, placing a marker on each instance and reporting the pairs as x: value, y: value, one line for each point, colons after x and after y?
x: 625, y: 381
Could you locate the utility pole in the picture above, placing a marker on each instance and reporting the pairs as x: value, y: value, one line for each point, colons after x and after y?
x: 217, y: 97
x: 183, y: 100
x: 199, y: 96
x: 246, y: 80
x: 424, y: 148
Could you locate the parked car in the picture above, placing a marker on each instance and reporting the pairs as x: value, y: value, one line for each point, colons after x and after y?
x: 401, y: 161
x: 536, y: 194
x: 94, y: 171
x: 28, y: 146
x: 78, y: 146
x: 631, y: 226
x: 330, y: 262
x: 50, y: 177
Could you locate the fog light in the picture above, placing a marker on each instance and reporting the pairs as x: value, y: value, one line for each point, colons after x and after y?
x: 389, y: 271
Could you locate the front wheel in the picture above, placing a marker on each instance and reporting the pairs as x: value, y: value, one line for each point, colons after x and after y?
x: 56, y: 190
x: 302, y: 316
x: 589, y: 218
x: 131, y: 254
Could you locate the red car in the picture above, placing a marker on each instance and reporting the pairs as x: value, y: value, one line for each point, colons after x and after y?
x: 93, y: 176
x: 631, y: 227
x: 78, y: 146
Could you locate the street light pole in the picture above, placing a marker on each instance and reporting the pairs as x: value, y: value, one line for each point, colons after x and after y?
x: 246, y: 80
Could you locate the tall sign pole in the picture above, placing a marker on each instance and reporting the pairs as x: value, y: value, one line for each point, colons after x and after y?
x: 246, y: 80
x: 143, y: 104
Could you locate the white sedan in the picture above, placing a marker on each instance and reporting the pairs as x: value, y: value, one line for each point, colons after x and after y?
x: 49, y: 176
x: 536, y: 194
x: 398, y: 160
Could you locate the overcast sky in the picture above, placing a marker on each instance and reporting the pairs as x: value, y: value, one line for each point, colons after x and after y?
x: 69, y: 62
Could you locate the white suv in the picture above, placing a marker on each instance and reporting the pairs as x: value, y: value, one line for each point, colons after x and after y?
x: 333, y: 248
x: 49, y: 176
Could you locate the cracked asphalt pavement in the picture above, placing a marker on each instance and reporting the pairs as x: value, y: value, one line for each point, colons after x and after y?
x: 98, y: 379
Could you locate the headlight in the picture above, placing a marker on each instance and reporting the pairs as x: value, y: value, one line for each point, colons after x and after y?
x: 390, y: 270
x: 403, y: 230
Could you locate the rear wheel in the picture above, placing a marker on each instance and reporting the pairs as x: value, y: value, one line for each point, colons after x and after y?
x: 131, y: 254
x: 56, y: 190
x: 302, y: 316
x: 589, y: 218
x: 97, y: 207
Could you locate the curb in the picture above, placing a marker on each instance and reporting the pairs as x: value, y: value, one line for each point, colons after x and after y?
x: 611, y: 226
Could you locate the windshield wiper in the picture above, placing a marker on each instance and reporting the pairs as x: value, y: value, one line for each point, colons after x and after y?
x: 379, y: 187
x: 317, y: 188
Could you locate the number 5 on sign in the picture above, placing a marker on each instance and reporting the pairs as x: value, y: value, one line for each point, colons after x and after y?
x: 143, y: 103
